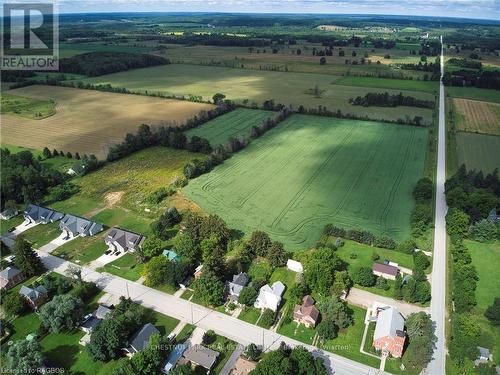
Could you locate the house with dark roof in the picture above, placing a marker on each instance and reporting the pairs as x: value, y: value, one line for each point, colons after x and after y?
x: 10, y: 277
x: 140, y: 340
x: 234, y: 287
x: 484, y: 356
x: 389, y: 335
x: 8, y: 213
x: 124, y: 240
x: 201, y: 356
x: 306, y: 314
x: 493, y: 216
x: 74, y: 226
x: 386, y: 271
x: 34, y: 296
x: 93, y: 320
x: 38, y: 214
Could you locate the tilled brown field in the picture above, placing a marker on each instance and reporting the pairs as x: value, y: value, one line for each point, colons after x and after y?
x: 477, y: 116
x: 88, y: 121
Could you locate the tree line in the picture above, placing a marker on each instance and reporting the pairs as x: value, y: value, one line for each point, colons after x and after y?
x: 471, y: 197
x: 94, y: 64
x: 390, y: 100
x: 212, y: 39
x: 485, y: 79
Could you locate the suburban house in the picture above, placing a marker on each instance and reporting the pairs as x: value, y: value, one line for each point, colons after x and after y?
x: 306, y: 314
x: 294, y: 266
x: 8, y: 213
x: 234, y: 287
x: 270, y: 296
x: 386, y: 271
x: 483, y: 357
x: 173, y: 357
x: 77, y: 168
x: 171, y: 255
x: 493, y: 216
x: 124, y: 240
x: 34, y: 296
x: 93, y: 320
x: 201, y: 356
x: 38, y: 214
x: 198, y: 271
x: 79, y: 226
x: 389, y: 335
x: 9, y: 277
x: 140, y: 340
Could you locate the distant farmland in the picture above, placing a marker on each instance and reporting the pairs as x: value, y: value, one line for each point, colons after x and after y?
x: 478, y: 151
x: 290, y: 185
x: 88, y: 121
x: 477, y: 116
x: 235, y: 124
x: 256, y: 86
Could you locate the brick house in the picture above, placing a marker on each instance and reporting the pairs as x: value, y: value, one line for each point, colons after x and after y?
x: 389, y: 335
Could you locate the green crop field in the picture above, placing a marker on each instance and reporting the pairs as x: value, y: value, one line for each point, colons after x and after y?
x: 31, y: 108
x: 290, y: 185
x: 478, y: 151
x: 394, y: 84
x: 256, y: 86
x: 473, y: 93
x: 236, y: 124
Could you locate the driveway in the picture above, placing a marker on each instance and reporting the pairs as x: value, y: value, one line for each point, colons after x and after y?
x: 366, y: 299
x: 204, y: 318
x: 54, y: 244
x: 232, y: 360
x: 105, y: 259
x: 24, y: 226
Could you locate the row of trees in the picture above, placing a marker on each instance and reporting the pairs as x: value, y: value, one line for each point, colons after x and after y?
x: 486, y: 79
x: 390, y: 100
x: 98, y: 63
x: 421, y: 215
x: 471, y: 197
x: 361, y: 236
x: 171, y: 136
x: 325, y: 112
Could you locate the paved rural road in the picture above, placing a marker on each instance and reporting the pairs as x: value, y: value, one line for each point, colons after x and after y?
x: 225, y: 325
x: 438, y: 282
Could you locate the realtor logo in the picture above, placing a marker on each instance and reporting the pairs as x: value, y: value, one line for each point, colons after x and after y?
x: 29, y: 37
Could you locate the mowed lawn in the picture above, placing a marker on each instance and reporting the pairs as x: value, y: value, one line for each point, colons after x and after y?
x: 235, y: 124
x: 486, y: 258
x: 478, y: 151
x: 256, y: 86
x: 364, y: 255
x: 89, y: 121
x: 290, y: 185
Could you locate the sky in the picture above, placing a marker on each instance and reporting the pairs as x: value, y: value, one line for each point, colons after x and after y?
x: 485, y: 9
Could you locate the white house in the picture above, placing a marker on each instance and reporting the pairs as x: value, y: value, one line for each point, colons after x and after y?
x: 270, y: 296
x: 294, y: 266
